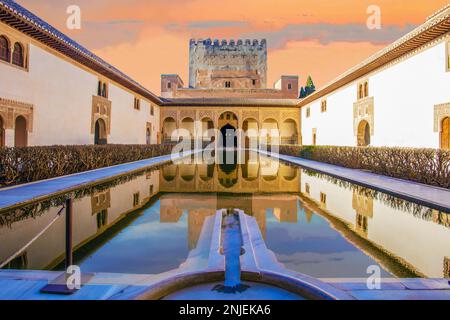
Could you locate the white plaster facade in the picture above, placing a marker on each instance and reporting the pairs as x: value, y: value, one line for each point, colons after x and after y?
x: 60, y: 91
x: 405, y: 93
x: 418, y: 242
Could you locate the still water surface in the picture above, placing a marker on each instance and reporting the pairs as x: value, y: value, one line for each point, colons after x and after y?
x: 149, y: 222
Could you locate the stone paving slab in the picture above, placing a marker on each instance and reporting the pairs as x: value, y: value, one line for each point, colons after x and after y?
x: 401, y: 294
x: 434, y: 197
x: 35, y: 191
x: 356, y: 286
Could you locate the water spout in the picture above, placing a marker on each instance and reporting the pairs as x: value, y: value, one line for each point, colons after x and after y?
x: 232, y: 250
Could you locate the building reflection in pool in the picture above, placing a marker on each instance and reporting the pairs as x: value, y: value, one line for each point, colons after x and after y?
x: 313, y: 224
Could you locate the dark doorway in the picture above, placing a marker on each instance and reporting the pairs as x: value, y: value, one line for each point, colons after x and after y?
x: 363, y: 134
x: 20, y: 132
x: 229, y: 136
x: 100, y: 132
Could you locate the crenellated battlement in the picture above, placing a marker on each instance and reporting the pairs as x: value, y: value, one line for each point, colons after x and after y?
x: 255, y: 43
x: 227, y: 63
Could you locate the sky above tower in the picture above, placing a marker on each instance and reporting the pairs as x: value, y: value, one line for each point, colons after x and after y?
x: 145, y: 38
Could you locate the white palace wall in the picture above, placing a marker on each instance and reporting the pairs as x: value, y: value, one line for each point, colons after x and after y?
x: 61, y: 94
x: 404, y: 93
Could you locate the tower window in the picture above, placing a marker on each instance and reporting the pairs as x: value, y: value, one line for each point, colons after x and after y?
x: 289, y: 86
x: 169, y: 85
x: 254, y: 82
x: 227, y: 84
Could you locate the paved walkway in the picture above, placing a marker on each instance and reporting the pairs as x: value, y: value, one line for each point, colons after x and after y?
x: 19, y: 195
x: 433, y: 197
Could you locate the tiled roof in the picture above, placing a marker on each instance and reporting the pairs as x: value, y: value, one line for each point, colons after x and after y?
x: 25, y: 21
x: 436, y: 26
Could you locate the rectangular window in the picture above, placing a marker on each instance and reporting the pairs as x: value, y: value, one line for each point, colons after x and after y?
x: 102, y: 90
x: 323, y: 106
x: 363, y: 90
x: 102, y: 218
x: 307, y: 188
x: 447, y: 54
x: 152, y: 110
x: 308, y: 112
x: 151, y: 190
x: 323, y: 198
x: 289, y: 86
x: 136, y: 199
x: 137, y: 103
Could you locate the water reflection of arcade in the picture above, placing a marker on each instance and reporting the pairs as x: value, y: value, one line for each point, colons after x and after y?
x: 198, y: 207
x: 200, y: 190
x: 262, y: 176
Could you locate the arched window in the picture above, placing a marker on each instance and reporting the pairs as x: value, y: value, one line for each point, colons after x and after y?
x: 360, y: 91
x: 17, y: 58
x: 227, y: 84
x: 105, y: 91
x: 4, y: 49
x: 99, y: 89
x: 366, y: 89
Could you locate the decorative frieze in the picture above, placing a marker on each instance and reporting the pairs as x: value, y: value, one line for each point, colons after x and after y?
x: 363, y: 110
x: 11, y: 109
x: 207, y: 114
x: 254, y: 114
x: 187, y: 114
x: 362, y: 204
x: 441, y: 111
x: 290, y: 114
x: 269, y: 114
x: 446, y: 267
x: 101, y: 109
x: 168, y: 114
x: 100, y: 201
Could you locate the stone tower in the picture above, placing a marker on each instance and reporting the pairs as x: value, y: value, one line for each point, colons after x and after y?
x: 228, y: 64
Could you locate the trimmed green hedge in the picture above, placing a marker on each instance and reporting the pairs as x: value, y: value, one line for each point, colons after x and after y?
x: 21, y: 165
x: 429, y: 166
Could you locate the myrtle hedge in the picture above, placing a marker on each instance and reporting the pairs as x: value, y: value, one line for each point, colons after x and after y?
x: 21, y: 165
x: 429, y: 166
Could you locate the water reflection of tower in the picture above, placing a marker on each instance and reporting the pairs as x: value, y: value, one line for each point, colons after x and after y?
x: 196, y: 220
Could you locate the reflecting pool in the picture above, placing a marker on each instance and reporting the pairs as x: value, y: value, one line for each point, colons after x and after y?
x: 148, y: 222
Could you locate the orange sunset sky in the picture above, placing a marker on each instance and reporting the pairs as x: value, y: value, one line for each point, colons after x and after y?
x: 145, y: 38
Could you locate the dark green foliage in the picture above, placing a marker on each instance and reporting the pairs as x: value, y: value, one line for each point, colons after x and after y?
x: 21, y: 165
x: 308, y: 89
